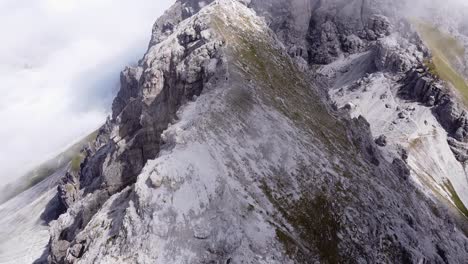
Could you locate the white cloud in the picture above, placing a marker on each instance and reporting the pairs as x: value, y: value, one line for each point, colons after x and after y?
x: 59, y: 67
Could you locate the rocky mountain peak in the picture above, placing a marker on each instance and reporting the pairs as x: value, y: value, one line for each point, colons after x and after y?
x: 273, y: 132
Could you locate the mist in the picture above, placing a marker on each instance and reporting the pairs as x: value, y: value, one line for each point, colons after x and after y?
x: 60, y: 62
x: 444, y: 13
x: 59, y: 66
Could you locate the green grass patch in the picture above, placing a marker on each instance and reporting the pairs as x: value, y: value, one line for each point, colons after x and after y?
x: 320, y: 225
x: 450, y: 47
x: 446, y: 51
x: 76, y: 163
x: 455, y: 198
x: 317, y: 221
x: 288, y: 243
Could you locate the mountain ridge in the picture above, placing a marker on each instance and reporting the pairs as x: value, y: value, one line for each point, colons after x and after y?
x: 271, y: 132
x: 233, y: 88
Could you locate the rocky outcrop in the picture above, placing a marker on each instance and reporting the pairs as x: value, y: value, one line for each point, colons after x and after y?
x: 181, y: 10
x: 377, y: 27
x: 421, y: 117
x: 460, y: 149
x: 331, y: 35
x: 394, y: 54
x: 320, y: 31
x: 84, y: 169
x: 381, y: 141
x: 220, y: 149
x: 421, y: 86
x: 129, y: 82
x: 172, y: 73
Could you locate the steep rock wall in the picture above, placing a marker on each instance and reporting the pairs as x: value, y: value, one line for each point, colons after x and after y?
x: 220, y: 150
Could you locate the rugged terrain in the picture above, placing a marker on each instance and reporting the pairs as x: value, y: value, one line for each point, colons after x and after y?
x: 24, y: 220
x: 275, y: 132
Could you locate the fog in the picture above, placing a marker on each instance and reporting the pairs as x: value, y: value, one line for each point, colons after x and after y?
x: 448, y: 12
x: 60, y: 62
x: 59, y: 67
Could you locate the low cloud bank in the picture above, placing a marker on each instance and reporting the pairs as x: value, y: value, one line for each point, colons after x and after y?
x: 59, y: 66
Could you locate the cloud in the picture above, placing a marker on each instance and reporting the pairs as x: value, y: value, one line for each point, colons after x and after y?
x: 59, y: 66
x: 453, y: 10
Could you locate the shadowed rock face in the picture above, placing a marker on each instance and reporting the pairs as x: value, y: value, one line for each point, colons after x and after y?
x: 223, y: 148
x: 420, y: 86
x: 390, y: 83
x: 320, y: 31
x: 169, y: 76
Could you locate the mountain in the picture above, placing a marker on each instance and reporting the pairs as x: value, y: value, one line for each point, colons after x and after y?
x: 268, y: 131
x: 28, y: 204
x: 71, y: 155
x: 24, y: 220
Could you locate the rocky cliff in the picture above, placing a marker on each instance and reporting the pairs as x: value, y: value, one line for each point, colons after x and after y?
x: 401, y: 90
x: 224, y: 146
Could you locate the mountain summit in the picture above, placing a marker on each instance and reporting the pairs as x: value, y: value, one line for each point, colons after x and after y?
x: 276, y: 132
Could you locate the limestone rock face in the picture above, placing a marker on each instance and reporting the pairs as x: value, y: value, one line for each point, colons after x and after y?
x: 381, y: 141
x: 181, y: 10
x: 419, y: 85
x: 396, y: 55
x: 129, y: 82
x: 324, y: 30
x: 173, y: 72
x: 422, y: 117
x: 460, y: 149
x: 224, y: 147
x: 339, y: 27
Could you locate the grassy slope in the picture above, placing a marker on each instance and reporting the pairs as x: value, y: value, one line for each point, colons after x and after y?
x: 315, y: 216
x: 38, y: 174
x: 284, y: 88
x: 445, y: 51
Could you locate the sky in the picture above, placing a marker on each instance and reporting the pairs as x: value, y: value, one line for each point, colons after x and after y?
x: 59, y: 69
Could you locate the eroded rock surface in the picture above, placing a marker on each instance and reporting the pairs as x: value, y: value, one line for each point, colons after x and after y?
x: 224, y: 148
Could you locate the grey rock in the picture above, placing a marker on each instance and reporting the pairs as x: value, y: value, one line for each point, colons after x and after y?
x: 403, y: 153
x: 431, y: 101
x: 450, y: 115
x: 459, y: 149
x: 378, y: 26
x: 325, y: 41
x: 76, y: 250
x: 143, y: 108
x: 174, y: 176
x: 381, y: 141
x: 349, y: 106
x: 352, y: 44
x: 181, y: 10
x: 423, y: 88
x: 129, y: 80
x: 402, y: 169
x: 68, y: 189
x: 58, y: 252
x: 391, y: 54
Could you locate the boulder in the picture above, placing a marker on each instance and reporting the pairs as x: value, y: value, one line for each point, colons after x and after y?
x: 381, y: 141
